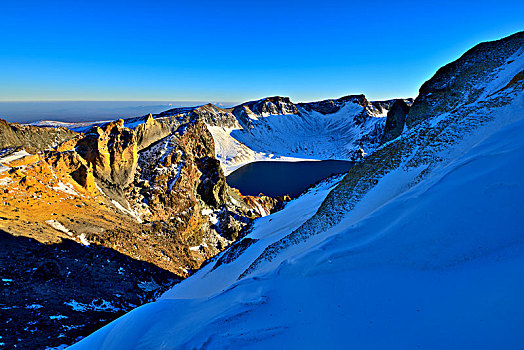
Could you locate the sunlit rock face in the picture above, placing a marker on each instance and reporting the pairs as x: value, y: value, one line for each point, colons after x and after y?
x: 112, y: 151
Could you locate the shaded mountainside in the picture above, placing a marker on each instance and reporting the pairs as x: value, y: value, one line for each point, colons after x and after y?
x: 424, y: 235
x: 55, y: 294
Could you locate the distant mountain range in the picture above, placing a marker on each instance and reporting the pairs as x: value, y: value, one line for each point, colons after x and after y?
x: 274, y: 128
x: 71, y: 111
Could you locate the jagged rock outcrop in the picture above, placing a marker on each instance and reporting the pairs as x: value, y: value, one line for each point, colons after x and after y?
x: 150, y: 132
x: 112, y: 151
x: 395, y: 121
x: 31, y: 138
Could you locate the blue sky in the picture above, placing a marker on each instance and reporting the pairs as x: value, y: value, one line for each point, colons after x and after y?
x: 236, y: 50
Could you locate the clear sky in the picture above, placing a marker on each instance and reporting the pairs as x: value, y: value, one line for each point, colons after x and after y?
x: 236, y: 50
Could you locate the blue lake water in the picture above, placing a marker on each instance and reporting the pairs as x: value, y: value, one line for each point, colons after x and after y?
x: 279, y: 178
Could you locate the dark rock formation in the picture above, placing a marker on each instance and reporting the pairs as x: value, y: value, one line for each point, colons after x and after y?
x: 384, y: 106
x: 395, y: 121
x: 212, y: 186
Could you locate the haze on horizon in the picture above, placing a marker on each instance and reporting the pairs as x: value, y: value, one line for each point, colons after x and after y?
x: 236, y: 51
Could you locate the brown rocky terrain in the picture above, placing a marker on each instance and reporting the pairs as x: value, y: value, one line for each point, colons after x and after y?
x: 151, y: 196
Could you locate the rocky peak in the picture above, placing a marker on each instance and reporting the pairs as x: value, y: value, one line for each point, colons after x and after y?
x: 215, y: 116
x: 151, y: 131
x: 275, y: 105
x: 361, y: 99
x: 112, y: 151
x: 333, y: 105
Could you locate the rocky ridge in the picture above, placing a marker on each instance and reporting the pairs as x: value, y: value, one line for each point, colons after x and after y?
x: 31, y: 138
x: 459, y: 99
x: 275, y: 128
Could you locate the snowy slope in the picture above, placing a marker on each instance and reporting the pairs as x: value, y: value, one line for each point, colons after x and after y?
x: 307, y: 134
x: 233, y: 154
x: 419, y: 246
x: 436, y: 267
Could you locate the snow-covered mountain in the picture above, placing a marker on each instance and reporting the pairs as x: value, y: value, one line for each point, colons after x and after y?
x: 419, y: 245
x: 275, y: 128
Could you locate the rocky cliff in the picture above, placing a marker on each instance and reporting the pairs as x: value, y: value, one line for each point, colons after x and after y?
x: 395, y: 121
